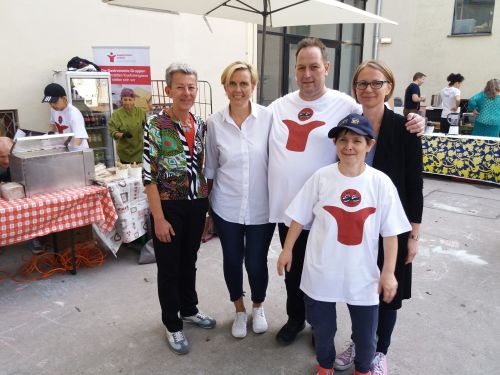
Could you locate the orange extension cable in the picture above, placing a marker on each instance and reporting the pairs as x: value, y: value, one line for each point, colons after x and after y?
x: 44, y: 265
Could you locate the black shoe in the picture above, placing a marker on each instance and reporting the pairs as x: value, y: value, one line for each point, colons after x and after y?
x: 289, y: 331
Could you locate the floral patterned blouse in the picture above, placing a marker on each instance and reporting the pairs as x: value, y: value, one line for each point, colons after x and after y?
x: 167, y: 161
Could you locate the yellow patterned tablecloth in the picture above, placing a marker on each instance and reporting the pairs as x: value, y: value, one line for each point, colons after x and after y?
x: 470, y: 157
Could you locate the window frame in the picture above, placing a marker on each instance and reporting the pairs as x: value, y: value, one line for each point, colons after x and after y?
x: 460, y: 5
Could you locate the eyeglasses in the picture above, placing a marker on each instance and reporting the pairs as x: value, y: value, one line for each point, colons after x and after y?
x: 376, y: 85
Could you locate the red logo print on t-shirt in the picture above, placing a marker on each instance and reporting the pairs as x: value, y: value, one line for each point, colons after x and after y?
x: 60, y: 127
x: 299, y: 133
x: 350, y: 224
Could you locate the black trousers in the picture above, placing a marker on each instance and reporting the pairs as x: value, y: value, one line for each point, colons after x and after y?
x: 444, y: 126
x: 176, y: 260
x: 295, y: 307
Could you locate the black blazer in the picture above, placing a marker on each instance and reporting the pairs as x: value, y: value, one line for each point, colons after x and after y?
x: 399, y: 155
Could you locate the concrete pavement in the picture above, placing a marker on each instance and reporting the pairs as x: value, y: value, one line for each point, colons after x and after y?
x: 106, y: 320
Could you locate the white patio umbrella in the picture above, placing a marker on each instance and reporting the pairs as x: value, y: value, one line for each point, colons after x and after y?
x: 274, y: 13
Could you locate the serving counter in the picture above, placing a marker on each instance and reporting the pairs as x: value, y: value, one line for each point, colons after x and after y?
x: 464, y: 156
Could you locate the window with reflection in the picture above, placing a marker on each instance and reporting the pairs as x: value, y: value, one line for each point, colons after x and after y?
x: 473, y: 17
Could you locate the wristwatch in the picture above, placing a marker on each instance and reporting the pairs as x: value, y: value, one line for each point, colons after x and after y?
x: 415, y: 237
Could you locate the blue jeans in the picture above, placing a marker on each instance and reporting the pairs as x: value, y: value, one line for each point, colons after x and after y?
x: 249, y: 243
x: 322, y: 316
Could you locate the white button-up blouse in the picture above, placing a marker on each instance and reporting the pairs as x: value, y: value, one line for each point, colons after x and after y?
x: 236, y: 159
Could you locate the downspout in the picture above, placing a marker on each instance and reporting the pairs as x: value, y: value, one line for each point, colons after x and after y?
x: 376, y: 31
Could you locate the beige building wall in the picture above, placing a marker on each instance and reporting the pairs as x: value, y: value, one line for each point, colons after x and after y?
x: 421, y: 42
x: 40, y: 36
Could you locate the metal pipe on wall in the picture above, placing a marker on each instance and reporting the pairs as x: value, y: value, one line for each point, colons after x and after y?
x: 376, y: 31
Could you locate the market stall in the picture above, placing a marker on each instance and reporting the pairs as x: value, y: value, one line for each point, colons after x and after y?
x: 27, y: 218
x: 464, y: 156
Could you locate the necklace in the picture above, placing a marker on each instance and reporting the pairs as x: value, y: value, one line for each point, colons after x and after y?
x: 186, y: 125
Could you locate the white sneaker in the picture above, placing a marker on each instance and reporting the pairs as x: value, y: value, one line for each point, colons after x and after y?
x: 259, y: 322
x: 177, y: 342
x: 239, y: 329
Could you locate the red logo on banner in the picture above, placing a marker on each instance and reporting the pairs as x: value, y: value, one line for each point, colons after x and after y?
x: 111, y: 57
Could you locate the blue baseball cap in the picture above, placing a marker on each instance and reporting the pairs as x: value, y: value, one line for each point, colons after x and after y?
x: 357, y: 123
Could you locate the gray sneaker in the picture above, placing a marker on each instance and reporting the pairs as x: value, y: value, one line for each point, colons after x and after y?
x: 177, y: 342
x: 201, y: 320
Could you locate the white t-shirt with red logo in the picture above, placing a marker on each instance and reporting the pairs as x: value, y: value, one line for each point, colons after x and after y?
x: 299, y: 143
x: 70, y: 120
x: 347, y: 215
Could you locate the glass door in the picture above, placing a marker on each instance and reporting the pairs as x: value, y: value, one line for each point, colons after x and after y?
x: 91, y: 96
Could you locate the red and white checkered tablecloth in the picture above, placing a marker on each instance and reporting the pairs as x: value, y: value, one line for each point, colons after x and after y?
x: 23, y: 219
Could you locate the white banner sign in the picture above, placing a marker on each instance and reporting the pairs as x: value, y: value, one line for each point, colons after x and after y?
x: 129, y: 67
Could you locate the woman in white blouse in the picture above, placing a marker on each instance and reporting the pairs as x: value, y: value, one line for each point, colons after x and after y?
x: 236, y: 168
x: 450, y: 99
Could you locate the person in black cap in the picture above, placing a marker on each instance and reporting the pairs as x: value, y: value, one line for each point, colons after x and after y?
x: 64, y: 117
x: 349, y: 205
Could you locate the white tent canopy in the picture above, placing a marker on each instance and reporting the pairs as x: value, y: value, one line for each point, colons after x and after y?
x: 274, y: 13
x: 281, y: 12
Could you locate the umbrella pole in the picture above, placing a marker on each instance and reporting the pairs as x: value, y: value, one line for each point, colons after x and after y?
x: 263, y: 53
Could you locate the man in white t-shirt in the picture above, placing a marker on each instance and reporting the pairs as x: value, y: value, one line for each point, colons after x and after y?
x: 64, y: 117
x: 298, y: 147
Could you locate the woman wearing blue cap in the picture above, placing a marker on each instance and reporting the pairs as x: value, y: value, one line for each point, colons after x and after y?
x: 349, y: 204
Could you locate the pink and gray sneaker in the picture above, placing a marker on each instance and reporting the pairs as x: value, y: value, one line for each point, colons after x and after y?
x: 379, y: 364
x: 345, y: 359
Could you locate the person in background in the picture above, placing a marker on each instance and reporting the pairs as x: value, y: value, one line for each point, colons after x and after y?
x: 486, y: 106
x: 412, y: 94
x: 398, y: 154
x: 298, y: 147
x: 6, y: 143
x: 450, y: 99
x: 126, y: 126
x: 64, y: 117
x: 236, y: 168
x: 5, y: 146
x: 350, y: 205
x: 174, y: 148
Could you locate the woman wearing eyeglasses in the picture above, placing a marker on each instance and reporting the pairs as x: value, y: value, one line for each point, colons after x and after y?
x: 398, y: 154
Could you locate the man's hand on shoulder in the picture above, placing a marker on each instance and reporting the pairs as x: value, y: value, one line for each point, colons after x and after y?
x: 415, y: 124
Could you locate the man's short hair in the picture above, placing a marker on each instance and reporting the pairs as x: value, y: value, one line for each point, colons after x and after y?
x: 418, y: 75
x: 312, y: 42
x: 179, y: 68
